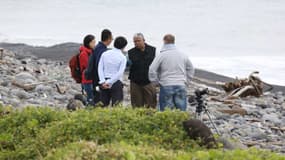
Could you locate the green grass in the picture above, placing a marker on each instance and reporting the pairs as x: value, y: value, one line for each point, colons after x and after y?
x: 117, y: 133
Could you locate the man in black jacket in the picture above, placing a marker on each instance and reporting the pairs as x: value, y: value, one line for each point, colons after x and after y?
x: 91, y: 73
x: 143, y: 92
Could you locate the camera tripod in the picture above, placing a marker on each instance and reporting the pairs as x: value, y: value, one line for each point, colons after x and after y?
x: 201, y: 108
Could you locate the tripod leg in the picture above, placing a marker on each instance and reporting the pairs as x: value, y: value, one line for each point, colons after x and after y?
x: 213, y: 124
x: 198, y: 116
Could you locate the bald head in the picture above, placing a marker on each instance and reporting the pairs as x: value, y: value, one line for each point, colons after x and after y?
x: 169, y: 39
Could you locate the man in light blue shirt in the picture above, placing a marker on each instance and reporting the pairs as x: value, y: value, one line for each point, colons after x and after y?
x: 111, y: 69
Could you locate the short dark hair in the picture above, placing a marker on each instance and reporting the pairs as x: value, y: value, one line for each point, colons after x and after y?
x: 169, y: 39
x: 87, y: 40
x: 105, y: 35
x: 120, y: 42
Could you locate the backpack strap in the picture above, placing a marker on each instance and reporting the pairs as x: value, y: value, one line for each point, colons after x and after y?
x: 78, y: 60
x: 82, y: 90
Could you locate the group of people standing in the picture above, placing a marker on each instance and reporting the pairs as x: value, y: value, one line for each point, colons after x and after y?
x: 103, y: 69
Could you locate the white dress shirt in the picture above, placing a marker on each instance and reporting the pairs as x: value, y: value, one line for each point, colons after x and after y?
x: 111, y: 66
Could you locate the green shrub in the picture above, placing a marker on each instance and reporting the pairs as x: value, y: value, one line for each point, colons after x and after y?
x: 123, y: 151
x: 134, y: 126
x: 19, y: 129
x: 118, y: 133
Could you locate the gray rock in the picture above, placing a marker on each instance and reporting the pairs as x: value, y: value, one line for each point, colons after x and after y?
x: 248, y: 106
x: 272, y: 117
x: 4, y: 90
x: 263, y: 106
x: 60, y: 97
x: 270, y: 110
x: 24, y: 78
x: 258, y: 136
x: 42, y: 61
x: 4, y: 83
x: 222, y: 116
x: 14, y: 102
x: 43, y: 89
x: 74, y: 105
x: 280, y: 93
x: 21, y: 94
x: 230, y: 144
x: 35, y: 101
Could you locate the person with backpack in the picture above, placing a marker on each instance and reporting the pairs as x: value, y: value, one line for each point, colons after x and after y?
x: 91, y: 73
x: 111, y: 69
x: 85, y: 51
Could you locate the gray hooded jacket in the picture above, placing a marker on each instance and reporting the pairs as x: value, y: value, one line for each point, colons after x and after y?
x: 171, y: 67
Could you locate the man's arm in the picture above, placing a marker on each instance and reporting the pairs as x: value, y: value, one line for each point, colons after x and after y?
x: 90, y: 68
x: 119, y: 74
x: 190, y: 71
x: 129, y: 59
x: 153, y: 69
x: 101, y: 70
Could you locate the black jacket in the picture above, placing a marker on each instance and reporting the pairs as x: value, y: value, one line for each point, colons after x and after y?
x: 91, y: 73
x: 139, y: 64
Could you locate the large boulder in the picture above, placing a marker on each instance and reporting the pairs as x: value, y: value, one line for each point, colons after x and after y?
x: 25, y: 81
x: 24, y: 78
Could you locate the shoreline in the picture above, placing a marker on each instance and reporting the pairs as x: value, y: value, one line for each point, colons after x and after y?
x: 63, y: 52
x: 254, y: 121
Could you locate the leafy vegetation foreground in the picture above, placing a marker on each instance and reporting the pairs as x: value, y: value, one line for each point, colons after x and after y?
x: 104, y: 133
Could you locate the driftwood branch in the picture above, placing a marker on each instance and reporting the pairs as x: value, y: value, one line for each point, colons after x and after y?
x: 32, y: 86
x: 217, y: 83
x: 251, y: 86
x: 61, y: 90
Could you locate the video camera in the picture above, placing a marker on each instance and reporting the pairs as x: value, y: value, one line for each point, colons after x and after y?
x: 200, y: 93
x: 197, y: 100
x: 194, y: 99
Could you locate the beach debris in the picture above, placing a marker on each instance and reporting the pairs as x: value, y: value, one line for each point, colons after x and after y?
x: 29, y: 87
x: 239, y: 111
x: 251, y: 86
x: 60, y: 89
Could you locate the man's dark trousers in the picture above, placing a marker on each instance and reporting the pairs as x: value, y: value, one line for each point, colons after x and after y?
x: 114, y: 94
x: 143, y: 95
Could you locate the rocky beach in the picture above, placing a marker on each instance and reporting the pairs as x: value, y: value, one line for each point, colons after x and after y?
x: 40, y: 76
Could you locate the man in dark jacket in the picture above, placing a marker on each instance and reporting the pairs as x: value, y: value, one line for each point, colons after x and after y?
x: 143, y: 93
x: 91, y: 72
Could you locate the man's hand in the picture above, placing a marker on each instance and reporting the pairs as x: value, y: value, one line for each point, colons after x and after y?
x: 105, y: 86
x: 155, y: 84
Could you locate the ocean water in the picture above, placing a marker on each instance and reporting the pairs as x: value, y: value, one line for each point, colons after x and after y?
x: 229, y: 37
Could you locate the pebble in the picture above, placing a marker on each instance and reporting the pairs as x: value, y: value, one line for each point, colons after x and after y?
x: 263, y: 112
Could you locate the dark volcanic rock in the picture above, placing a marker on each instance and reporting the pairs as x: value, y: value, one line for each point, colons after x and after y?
x: 61, y: 52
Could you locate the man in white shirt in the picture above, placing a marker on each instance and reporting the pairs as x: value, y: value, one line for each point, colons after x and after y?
x: 111, y: 69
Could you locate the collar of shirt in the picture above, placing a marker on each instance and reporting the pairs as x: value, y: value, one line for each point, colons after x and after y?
x: 119, y: 51
x: 101, y: 45
x: 168, y: 47
x: 146, y: 49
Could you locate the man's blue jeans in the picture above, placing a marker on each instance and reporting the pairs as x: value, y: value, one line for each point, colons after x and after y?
x: 88, y: 88
x: 172, y: 97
